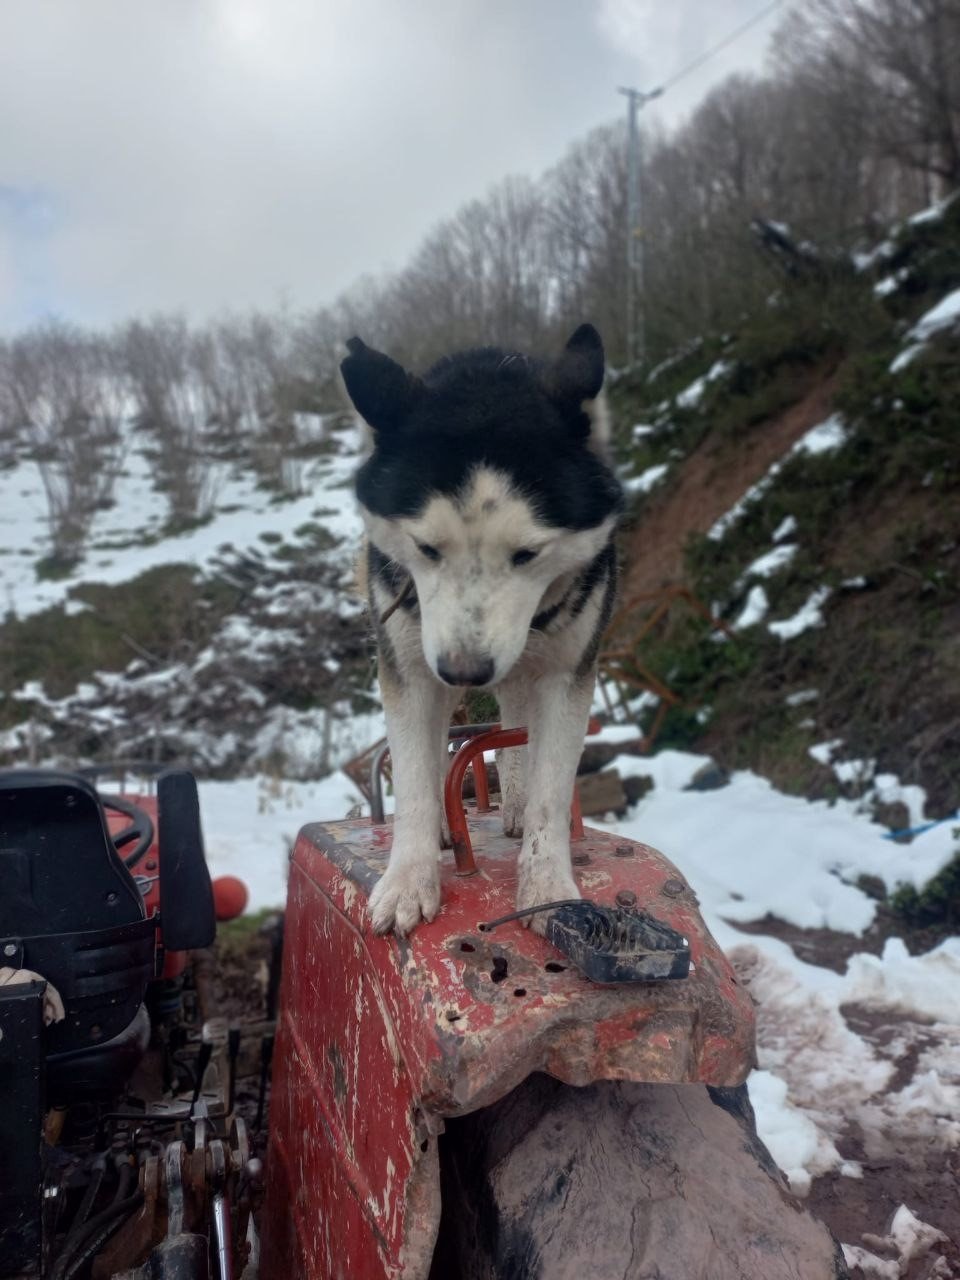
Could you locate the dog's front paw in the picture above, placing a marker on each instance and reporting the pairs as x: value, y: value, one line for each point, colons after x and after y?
x: 543, y: 880
x: 405, y: 895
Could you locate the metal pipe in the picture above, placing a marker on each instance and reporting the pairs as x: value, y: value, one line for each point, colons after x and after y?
x: 221, y: 1235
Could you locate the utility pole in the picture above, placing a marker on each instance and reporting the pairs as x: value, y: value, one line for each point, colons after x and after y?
x: 636, y: 336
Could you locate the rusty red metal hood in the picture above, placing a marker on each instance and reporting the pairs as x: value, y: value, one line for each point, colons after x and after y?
x: 380, y: 1039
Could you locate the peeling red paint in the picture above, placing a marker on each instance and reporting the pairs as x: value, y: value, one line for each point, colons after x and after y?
x: 418, y: 1029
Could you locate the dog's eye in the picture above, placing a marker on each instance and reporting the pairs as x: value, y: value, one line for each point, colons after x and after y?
x: 523, y: 557
x: 426, y: 550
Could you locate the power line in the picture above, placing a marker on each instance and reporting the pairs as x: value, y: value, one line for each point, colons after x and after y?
x: 727, y: 40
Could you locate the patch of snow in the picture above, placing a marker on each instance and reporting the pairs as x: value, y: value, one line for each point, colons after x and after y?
x: 671, y: 771
x: 801, y: 696
x: 872, y: 1266
x: 822, y: 752
x: 890, y: 284
x: 742, y: 860
x: 943, y: 316
x: 754, y: 610
x: 674, y: 358
x: 807, y: 616
x: 865, y: 261
x: 616, y: 734
x: 770, y: 562
x: 720, y: 527
x: 933, y: 213
x: 907, y: 356
x: 826, y: 436
x: 785, y: 528
x: 306, y: 740
x: 928, y: 984
x: 644, y: 482
x: 800, y: 1149
x: 854, y: 771
x: 692, y: 395
x: 641, y: 429
x: 250, y: 825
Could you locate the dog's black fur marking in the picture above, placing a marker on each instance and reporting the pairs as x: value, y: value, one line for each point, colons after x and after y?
x: 485, y: 408
x: 589, y: 656
x: 543, y: 619
x: 394, y: 578
x: 594, y: 573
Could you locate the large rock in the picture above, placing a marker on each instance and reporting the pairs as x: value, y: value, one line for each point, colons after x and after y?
x: 621, y: 1181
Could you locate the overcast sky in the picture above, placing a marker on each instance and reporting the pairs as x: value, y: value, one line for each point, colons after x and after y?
x: 204, y: 155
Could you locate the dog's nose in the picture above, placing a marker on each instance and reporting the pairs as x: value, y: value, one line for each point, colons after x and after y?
x: 459, y: 669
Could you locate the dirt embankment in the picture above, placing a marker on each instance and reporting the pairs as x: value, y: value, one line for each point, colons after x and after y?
x: 710, y: 481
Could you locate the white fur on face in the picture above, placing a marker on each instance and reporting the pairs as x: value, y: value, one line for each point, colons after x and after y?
x: 475, y: 604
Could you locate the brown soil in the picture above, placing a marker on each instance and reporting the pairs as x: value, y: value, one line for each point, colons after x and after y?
x: 832, y: 950
x: 859, y: 1211
x: 712, y: 480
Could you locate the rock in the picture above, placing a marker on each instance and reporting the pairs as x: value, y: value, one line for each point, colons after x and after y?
x: 596, y: 755
x: 601, y: 793
x: 636, y: 788
x: 895, y: 817
x: 709, y: 777
x: 873, y: 887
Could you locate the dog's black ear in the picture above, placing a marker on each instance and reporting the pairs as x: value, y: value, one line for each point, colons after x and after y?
x: 578, y: 374
x: 382, y: 391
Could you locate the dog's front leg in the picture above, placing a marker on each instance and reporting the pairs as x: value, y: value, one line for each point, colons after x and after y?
x: 512, y: 761
x: 559, y: 706
x: 417, y: 711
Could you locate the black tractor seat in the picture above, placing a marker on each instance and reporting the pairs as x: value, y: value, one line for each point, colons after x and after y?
x: 71, y: 912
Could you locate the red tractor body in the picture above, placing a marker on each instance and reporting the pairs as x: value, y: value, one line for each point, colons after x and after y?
x: 381, y: 1040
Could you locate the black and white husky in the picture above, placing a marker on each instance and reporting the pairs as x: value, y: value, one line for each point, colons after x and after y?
x: 490, y: 509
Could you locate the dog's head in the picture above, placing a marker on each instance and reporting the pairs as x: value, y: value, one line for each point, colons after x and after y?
x: 487, y: 483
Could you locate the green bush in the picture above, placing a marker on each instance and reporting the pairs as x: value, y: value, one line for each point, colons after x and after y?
x: 937, y: 903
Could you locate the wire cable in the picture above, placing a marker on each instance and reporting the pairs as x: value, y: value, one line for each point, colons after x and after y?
x: 723, y: 44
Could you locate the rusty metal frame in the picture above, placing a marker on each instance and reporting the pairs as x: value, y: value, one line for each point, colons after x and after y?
x: 621, y: 666
x: 477, y: 738
x: 467, y: 756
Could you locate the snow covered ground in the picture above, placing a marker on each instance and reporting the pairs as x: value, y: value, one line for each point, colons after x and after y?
x: 123, y: 541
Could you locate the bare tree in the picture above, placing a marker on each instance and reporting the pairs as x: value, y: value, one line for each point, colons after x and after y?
x: 69, y: 398
x: 585, y: 214
x: 899, y: 61
x: 187, y: 403
x: 11, y: 426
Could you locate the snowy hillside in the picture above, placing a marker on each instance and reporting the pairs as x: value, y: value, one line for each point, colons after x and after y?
x: 252, y: 651
x: 800, y: 476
